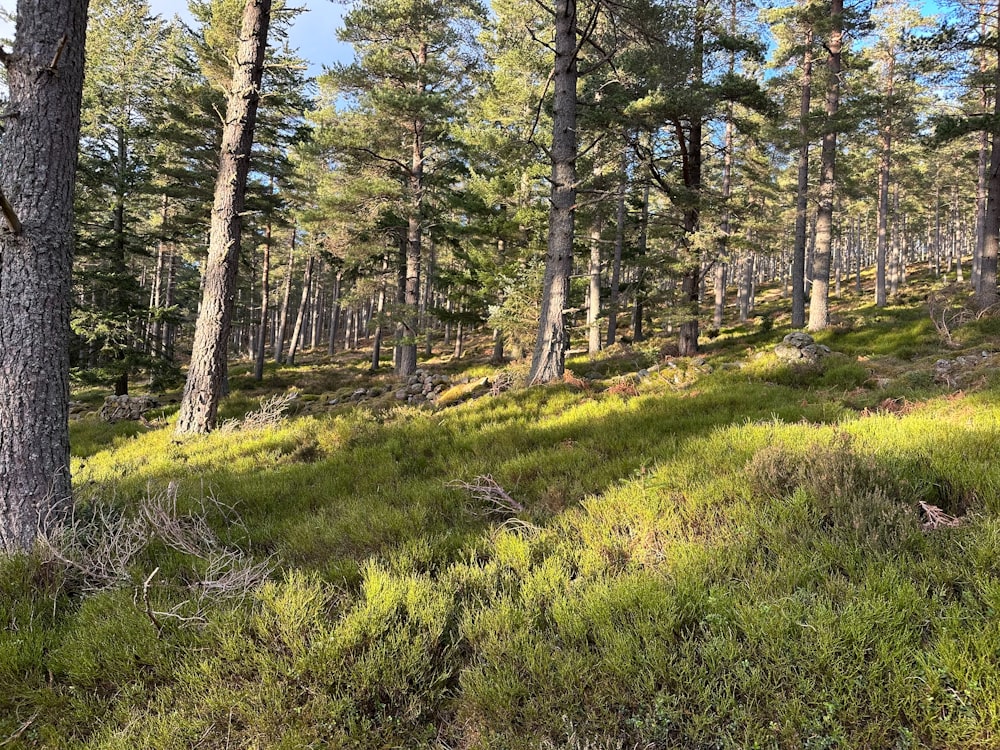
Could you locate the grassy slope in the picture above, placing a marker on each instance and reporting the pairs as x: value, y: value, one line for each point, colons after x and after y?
x: 732, y: 562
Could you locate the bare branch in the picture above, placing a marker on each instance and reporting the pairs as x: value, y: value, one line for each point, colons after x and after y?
x: 545, y: 7
x: 538, y: 107
x: 6, y: 57
x: 59, y: 50
x: 375, y: 155
x: 9, y: 215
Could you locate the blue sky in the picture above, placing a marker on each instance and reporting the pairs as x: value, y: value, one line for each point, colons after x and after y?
x: 314, y: 33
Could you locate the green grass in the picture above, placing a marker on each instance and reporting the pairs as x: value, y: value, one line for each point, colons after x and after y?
x: 729, y: 559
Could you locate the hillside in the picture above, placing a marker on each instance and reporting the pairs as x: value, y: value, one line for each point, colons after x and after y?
x: 720, y: 552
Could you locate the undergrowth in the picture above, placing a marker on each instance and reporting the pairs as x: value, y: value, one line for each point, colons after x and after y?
x: 734, y: 558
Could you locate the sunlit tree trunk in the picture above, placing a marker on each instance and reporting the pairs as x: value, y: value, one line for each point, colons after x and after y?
x: 820, y: 299
x: 549, y: 358
x: 206, y: 375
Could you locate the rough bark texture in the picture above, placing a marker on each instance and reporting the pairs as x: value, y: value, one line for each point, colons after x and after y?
x: 297, y: 336
x: 265, y: 306
x: 594, y: 295
x: 616, y: 263
x: 549, y: 359
x: 37, y: 173
x: 203, y: 389
x: 820, y: 299
x: 986, y: 288
x: 885, y: 163
x: 802, y: 192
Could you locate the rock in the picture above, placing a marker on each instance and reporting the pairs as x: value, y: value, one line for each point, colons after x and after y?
x: 593, y: 375
x: 698, y: 361
x: 643, y: 374
x: 123, y: 408
x: 798, y: 339
x: 787, y: 353
x: 401, y: 395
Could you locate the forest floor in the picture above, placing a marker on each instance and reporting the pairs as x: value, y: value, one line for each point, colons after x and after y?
x: 725, y: 552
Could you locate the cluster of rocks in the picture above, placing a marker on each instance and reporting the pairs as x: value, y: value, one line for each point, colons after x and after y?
x: 126, y: 408
x: 798, y: 347
x: 422, y: 387
x: 948, y: 370
x: 359, y: 394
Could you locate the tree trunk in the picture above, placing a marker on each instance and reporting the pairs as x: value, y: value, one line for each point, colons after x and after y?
x: 203, y: 389
x: 286, y: 301
x: 37, y: 174
x: 640, y: 290
x: 819, y: 301
x: 265, y: 303
x: 301, y: 315
x: 802, y: 191
x: 885, y: 162
x: 334, y: 315
x: 549, y: 358
x: 594, y: 294
x: 616, y: 264
x: 986, y: 292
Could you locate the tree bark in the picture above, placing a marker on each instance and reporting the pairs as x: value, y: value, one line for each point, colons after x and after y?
x: 37, y: 175
x: 820, y: 299
x: 265, y: 303
x: 802, y: 191
x: 616, y: 263
x: 300, y: 317
x: 548, y: 361
x: 885, y: 162
x: 986, y: 290
x: 594, y: 294
x: 203, y: 389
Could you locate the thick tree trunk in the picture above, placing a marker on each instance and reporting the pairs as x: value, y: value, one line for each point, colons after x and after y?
x: 802, y: 191
x: 37, y: 173
x: 549, y: 358
x: 986, y: 291
x: 203, y: 389
x: 820, y: 299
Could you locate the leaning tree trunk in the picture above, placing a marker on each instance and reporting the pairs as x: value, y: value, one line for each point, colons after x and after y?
x: 549, y: 359
x: 802, y: 191
x: 37, y: 173
x: 203, y: 389
x: 820, y: 299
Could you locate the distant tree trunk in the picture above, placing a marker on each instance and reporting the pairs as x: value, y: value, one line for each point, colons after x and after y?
x: 594, y: 295
x: 549, y: 359
x: 802, y: 191
x: 301, y: 315
x: 820, y: 299
x: 885, y: 162
x: 616, y: 263
x: 379, y: 324
x: 265, y: 303
x: 498, y: 341
x: 37, y: 174
x: 286, y: 301
x: 203, y: 389
x: 637, y: 309
x: 334, y: 314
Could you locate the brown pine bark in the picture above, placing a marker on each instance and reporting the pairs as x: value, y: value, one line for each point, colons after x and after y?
x: 206, y: 375
x: 37, y: 173
x: 300, y: 317
x: 885, y: 163
x: 802, y: 190
x: 616, y: 263
x: 286, y: 301
x: 820, y: 299
x: 265, y: 305
x: 548, y: 361
x: 594, y: 292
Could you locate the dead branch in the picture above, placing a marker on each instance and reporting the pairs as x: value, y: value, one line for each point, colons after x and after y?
x: 54, y: 65
x: 20, y: 730
x: 149, y: 607
x: 8, y: 213
x: 6, y: 58
x: 937, y: 518
x: 487, y: 491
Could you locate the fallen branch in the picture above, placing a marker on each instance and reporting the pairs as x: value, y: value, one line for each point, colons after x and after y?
x: 489, y: 493
x: 936, y: 518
